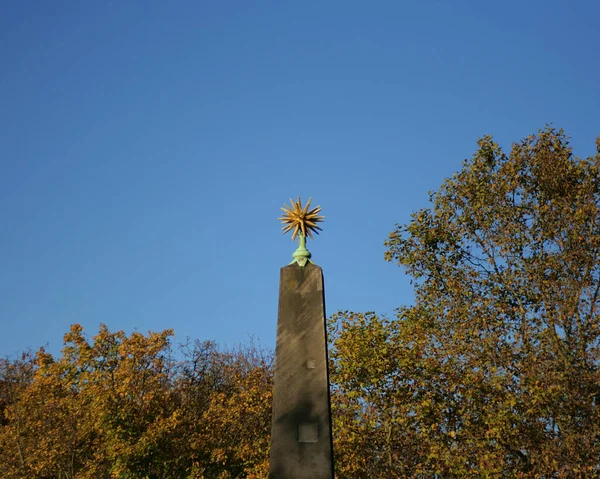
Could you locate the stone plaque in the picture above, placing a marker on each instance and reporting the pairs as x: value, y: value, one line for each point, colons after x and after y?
x: 307, y: 432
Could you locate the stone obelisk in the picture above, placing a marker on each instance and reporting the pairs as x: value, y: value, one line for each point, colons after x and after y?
x: 301, y: 442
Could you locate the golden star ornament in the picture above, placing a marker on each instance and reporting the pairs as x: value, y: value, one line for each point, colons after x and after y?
x: 300, y: 219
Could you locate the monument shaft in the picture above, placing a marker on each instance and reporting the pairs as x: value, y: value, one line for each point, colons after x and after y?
x: 301, y: 443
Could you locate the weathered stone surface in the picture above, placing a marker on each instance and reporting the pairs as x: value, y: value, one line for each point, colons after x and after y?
x: 301, y: 446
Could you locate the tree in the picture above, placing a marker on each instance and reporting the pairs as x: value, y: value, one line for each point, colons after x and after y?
x: 103, y: 409
x: 377, y: 384
x: 226, y: 401
x: 506, y: 268
x: 119, y: 406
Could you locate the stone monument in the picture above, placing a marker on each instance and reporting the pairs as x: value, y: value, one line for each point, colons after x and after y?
x: 301, y: 442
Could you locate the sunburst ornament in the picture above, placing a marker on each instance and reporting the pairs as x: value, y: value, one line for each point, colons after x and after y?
x: 301, y: 221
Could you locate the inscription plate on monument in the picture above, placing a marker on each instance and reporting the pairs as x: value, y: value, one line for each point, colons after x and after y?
x: 307, y: 432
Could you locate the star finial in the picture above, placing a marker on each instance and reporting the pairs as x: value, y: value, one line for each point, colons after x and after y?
x: 300, y: 219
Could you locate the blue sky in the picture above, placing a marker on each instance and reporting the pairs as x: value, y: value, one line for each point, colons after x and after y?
x: 146, y: 147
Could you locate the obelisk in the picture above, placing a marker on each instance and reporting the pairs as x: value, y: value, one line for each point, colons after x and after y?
x: 301, y: 442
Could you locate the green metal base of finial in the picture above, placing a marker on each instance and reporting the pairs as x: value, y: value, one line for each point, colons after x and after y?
x: 301, y: 255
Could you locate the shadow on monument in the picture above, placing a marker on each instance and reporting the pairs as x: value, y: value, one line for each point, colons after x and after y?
x: 310, y: 453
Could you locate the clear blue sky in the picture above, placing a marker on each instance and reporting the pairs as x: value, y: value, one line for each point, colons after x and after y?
x: 147, y: 146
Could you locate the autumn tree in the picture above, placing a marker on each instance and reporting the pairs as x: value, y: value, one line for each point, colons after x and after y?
x: 379, y: 387
x: 494, y: 372
x: 103, y: 409
x: 227, y: 399
x: 120, y: 406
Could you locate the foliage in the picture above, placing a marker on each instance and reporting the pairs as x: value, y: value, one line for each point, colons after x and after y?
x: 507, y: 281
x: 229, y: 395
x: 121, y: 407
x: 378, y: 384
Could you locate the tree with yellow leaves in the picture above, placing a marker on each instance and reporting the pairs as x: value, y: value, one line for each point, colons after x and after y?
x: 495, y: 370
